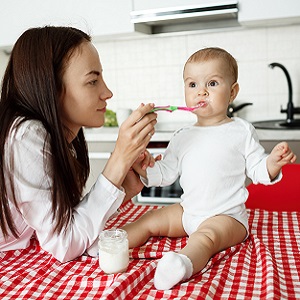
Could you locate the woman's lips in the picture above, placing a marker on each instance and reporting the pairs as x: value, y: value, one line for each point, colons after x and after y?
x: 102, y: 109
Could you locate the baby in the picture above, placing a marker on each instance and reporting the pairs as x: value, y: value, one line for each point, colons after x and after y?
x: 212, y: 158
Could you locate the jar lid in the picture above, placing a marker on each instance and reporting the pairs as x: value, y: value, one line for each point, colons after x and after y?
x: 113, y: 234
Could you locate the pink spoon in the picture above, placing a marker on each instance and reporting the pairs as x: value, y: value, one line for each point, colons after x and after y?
x: 171, y: 108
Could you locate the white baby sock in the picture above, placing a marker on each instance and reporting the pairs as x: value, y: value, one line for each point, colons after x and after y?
x: 171, y: 269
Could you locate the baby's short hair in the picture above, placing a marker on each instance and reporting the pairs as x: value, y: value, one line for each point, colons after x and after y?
x: 211, y: 53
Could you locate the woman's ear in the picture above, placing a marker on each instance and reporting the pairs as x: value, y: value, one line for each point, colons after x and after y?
x: 234, y: 91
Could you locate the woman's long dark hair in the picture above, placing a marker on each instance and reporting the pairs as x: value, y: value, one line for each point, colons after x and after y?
x: 31, y: 89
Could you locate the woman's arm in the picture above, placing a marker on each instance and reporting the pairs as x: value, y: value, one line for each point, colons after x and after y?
x: 134, y: 136
x: 33, y: 186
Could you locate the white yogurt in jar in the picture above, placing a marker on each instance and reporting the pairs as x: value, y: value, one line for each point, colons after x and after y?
x: 113, y: 251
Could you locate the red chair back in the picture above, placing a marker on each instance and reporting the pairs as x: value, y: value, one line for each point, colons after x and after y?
x: 282, y: 196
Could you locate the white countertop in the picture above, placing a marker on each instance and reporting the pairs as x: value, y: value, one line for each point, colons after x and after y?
x: 110, y: 134
x: 164, y: 132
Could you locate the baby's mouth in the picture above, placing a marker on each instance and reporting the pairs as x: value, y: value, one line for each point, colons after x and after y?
x: 201, y: 103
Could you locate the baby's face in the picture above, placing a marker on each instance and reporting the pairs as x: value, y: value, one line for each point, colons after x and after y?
x: 208, y: 85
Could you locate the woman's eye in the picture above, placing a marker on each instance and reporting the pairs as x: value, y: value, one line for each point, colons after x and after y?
x: 93, y: 82
x: 212, y: 83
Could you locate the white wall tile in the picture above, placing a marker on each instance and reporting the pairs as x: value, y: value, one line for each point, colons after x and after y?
x: 283, y: 42
x: 3, y: 63
x: 107, y: 54
x: 149, y: 68
x: 243, y: 45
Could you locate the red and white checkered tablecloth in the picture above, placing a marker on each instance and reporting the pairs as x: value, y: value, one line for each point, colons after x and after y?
x: 265, y: 266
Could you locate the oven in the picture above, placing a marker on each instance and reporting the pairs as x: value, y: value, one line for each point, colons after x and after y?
x: 159, y: 195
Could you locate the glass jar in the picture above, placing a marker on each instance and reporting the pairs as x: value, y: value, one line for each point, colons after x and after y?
x: 113, y: 251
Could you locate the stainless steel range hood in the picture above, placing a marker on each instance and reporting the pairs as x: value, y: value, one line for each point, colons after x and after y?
x: 186, y: 18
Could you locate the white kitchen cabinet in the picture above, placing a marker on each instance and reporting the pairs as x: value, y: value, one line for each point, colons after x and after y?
x: 250, y: 12
x: 154, y: 4
x: 268, y: 12
x: 100, y: 18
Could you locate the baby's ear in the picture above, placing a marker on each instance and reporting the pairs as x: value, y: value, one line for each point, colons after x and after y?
x: 234, y: 91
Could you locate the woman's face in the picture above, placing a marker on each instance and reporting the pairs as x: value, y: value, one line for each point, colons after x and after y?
x: 83, y: 100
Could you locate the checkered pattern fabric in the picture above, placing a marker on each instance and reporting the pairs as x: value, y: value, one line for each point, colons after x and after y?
x: 265, y: 266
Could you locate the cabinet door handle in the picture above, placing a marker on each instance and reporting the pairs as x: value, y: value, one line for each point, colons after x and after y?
x: 99, y: 155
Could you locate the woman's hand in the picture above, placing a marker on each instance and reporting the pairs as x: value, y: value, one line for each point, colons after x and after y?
x: 134, y: 136
x: 132, y: 184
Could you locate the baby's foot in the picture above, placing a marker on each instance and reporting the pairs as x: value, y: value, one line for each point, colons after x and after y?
x: 171, y: 269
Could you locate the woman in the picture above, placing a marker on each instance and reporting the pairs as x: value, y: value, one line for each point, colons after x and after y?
x: 53, y: 86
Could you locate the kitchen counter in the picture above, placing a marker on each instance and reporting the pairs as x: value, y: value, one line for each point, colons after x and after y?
x: 101, y: 142
x: 164, y: 132
x: 110, y: 134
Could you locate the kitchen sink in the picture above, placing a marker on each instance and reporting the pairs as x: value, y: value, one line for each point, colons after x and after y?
x: 278, y: 124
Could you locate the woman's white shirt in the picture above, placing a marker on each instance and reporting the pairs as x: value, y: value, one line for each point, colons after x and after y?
x: 32, y: 178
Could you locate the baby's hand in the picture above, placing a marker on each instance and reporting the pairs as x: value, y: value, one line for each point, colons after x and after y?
x: 147, y: 160
x: 280, y: 156
x: 144, y: 161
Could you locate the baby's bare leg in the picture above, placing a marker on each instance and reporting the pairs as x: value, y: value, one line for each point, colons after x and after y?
x: 166, y: 221
x: 213, y: 235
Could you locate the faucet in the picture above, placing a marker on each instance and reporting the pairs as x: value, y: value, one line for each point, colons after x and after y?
x: 290, y: 110
x: 235, y: 108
